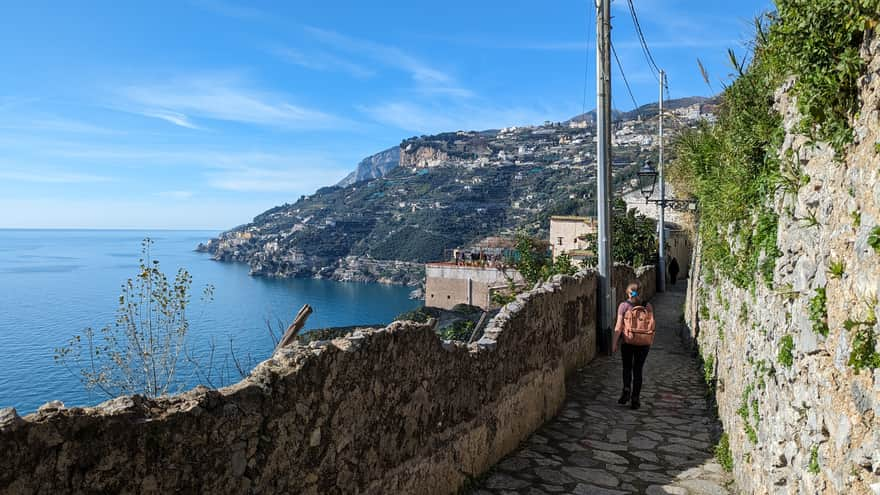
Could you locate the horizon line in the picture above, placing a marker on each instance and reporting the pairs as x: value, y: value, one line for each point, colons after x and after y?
x: 117, y: 229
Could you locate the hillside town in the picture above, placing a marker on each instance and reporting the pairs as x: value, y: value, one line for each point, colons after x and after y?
x: 448, y: 191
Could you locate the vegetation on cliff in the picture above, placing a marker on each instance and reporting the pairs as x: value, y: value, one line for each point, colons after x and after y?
x: 733, y: 167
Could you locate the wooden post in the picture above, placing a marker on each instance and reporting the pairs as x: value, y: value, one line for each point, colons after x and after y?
x: 294, y: 328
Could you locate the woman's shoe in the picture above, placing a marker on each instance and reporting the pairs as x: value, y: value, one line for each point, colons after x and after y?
x: 624, y: 397
x: 635, y: 404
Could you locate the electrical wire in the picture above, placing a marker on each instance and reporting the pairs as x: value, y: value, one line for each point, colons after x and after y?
x: 647, y: 52
x: 623, y: 75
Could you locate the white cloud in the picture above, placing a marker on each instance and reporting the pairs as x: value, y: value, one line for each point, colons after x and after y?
x: 222, y: 98
x: 175, y: 118
x: 428, y: 79
x: 322, y: 61
x: 298, y: 171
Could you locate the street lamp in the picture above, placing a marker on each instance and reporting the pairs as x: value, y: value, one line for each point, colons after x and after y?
x: 647, y: 179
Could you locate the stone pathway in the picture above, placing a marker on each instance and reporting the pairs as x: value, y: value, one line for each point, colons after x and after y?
x: 595, y: 446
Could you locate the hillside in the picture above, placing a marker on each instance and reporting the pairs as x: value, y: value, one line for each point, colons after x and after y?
x: 373, y: 167
x: 689, y: 103
x: 449, y: 190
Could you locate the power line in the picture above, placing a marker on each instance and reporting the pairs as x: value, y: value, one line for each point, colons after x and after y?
x: 623, y: 75
x: 650, y: 58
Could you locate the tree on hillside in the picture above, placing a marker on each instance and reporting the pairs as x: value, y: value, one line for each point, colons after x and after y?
x: 634, y: 238
x: 140, y: 352
x: 532, y: 259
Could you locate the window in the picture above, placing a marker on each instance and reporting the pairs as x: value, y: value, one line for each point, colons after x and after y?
x: 559, y: 241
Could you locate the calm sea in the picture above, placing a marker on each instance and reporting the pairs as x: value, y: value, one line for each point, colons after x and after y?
x: 54, y: 283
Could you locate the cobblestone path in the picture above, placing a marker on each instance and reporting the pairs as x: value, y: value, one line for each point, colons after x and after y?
x: 595, y: 446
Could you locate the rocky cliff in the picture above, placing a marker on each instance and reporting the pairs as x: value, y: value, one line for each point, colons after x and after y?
x: 373, y: 167
x: 796, y: 361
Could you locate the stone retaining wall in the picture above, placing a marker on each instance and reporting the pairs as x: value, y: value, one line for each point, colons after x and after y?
x: 394, y: 410
x: 801, y: 418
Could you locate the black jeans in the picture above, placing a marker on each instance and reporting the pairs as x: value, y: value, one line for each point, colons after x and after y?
x: 633, y: 361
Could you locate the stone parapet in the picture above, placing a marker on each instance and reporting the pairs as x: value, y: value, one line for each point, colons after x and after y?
x: 393, y: 410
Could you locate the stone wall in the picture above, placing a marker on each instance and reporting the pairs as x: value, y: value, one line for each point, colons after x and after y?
x: 811, y: 426
x: 394, y: 410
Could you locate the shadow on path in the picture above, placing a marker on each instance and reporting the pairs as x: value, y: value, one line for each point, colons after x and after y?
x: 595, y: 446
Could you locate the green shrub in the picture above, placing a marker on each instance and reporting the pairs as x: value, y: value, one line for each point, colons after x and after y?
x: 856, y: 216
x: 722, y: 453
x: 140, y: 352
x: 819, y: 312
x: 786, y: 348
x: 751, y: 433
x: 874, y: 239
x: 864, y: 353
x: 837, y: 269
x: 419, y: 315
x: 732, y: 167
x: 818, y: 41
x: 460, y: 330
x: 709, y: 369
x: 814, y: 460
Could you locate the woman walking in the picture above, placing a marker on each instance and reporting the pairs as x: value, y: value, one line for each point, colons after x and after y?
x: 635, y: 324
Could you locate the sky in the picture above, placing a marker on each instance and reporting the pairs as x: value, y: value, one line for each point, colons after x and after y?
x: 192, y: 114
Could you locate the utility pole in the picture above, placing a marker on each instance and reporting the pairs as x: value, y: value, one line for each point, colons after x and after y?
x: 661, y: 265
x: 603, y: 168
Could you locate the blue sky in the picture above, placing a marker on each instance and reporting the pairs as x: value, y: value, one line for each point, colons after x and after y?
x: 203, y: 113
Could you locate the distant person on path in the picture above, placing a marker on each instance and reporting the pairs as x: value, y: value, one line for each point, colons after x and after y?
x: 635, y: 324
x: 673, y: 270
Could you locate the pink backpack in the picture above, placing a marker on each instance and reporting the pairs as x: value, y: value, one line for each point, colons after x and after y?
x: 638, y: 326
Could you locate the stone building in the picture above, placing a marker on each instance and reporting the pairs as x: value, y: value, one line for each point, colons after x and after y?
x: 567, y: 236
x: 449, y: 284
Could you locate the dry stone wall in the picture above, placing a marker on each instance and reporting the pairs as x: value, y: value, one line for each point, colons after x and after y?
x: 394, y: 410
x: 801, y: 420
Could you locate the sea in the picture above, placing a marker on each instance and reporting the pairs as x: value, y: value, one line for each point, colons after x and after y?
x: 56, y: 283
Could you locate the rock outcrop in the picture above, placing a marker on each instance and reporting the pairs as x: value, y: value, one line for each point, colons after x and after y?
x: 373, y: 167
